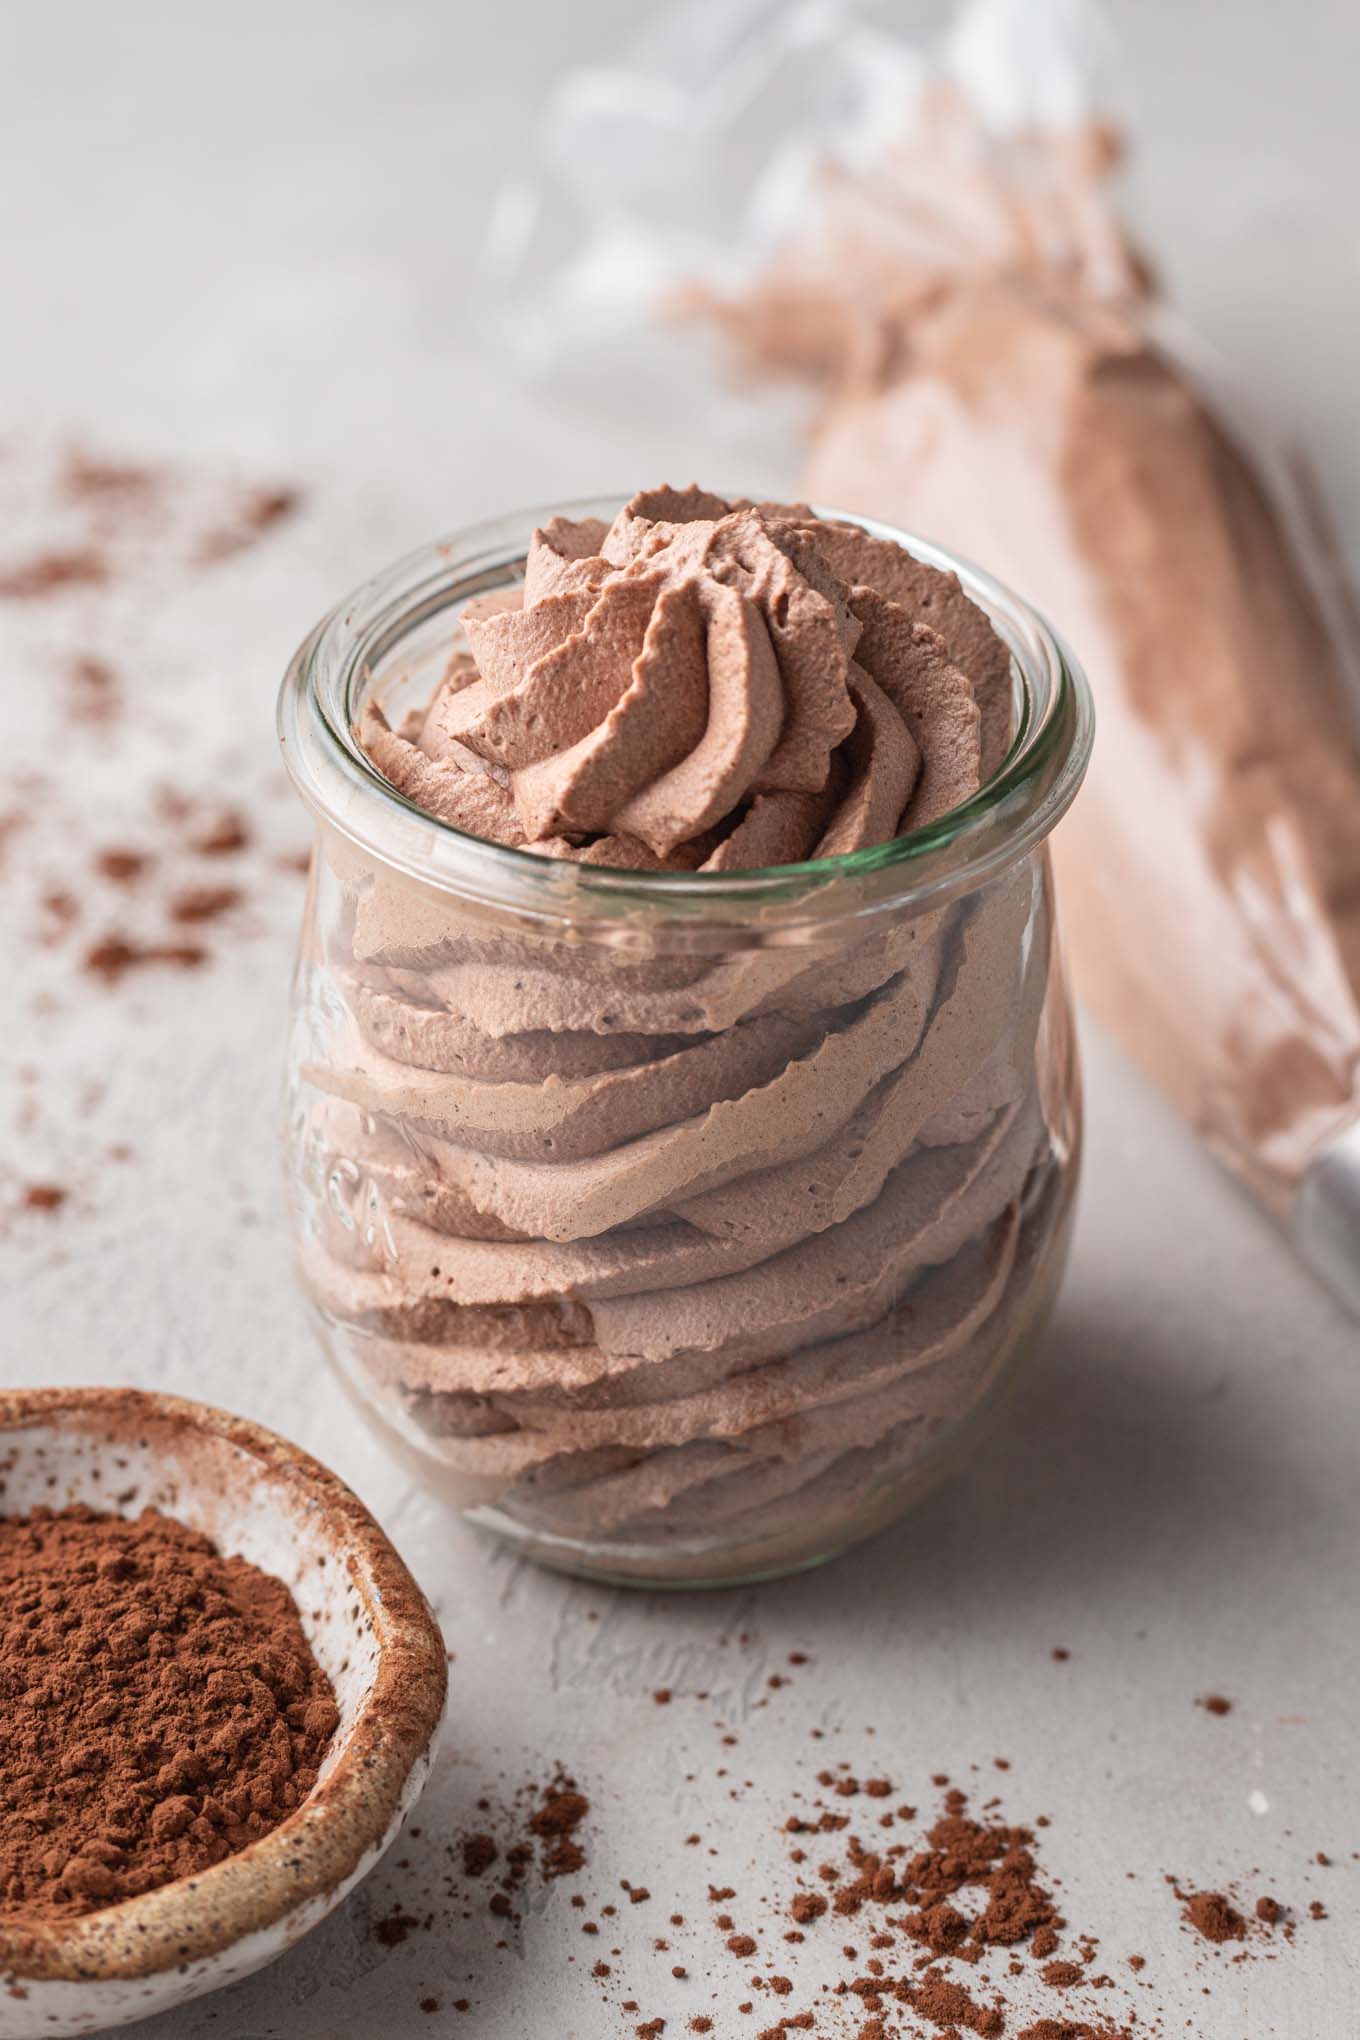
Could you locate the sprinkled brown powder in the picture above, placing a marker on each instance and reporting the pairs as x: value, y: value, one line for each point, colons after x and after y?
x: 112, y: 959
x: 1073, y: 2029
x: 555, y: 1823
x: 393, y: 1928
x: 94, y: 689
x: 121, y: 866
x: 808, y: 1906
x: 52, y: 573
x: 949, y: 2004
x: 479, y: 1853
x: 203, y: 902
x: 1214, y: 1916
x: 222, y: 837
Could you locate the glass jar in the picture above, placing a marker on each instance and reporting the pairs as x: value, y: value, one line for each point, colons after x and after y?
x: 715, y: 1267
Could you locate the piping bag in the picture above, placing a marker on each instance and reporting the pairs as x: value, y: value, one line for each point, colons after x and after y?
x: 929, y: 244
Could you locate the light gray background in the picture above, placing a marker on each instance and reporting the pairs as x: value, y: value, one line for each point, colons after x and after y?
x: 244, y: 234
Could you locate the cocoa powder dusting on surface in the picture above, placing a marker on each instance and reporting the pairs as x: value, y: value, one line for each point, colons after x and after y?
x: 203, y: 903
x: 257, y: 512
x: 120, y: 866
x: 162, y: 1708
x: 555, y: 1823
x: 94, y: 543
x: 949, y: 2004
x: 539, y: 1830
x: 227, y: 834
x: 1214, y: 1703
x: 394, y: 1927
x: 93, y: 689
x: 53, y: 573
x: 1214, y: 1915
x: 1073, y: 2029
x: 111, y: 959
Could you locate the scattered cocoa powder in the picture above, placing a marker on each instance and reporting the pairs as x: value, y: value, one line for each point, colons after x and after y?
x: 808, y: 1906
x: 1269, y: 1910
x: 45, y: 1197
x: 393, y: 1927
x: 62, y: 910
x: 949, y: 2004
x: 52, y: 573
x: 203, y: 903
x: 123, y: 867
x: 540, y: 1828
x: 1212, y: 1914
x: 222, y: 837
x: 1073, y: 2029
x: 1214, y: 1703
x: 94, y: 689
x: 479, y: 1853
x: 111, y: 959
x: 90, y: 476
x: 555, y: 1823
x: 162, y: 1708
x: 257, y: 511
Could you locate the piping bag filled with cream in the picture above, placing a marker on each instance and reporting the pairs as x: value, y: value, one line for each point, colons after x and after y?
x: 935, y: 253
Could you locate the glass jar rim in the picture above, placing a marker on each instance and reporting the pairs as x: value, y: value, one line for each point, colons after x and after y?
x: 1006, y: 818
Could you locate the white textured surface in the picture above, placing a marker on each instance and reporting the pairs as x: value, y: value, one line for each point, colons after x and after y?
x: 243, y: 234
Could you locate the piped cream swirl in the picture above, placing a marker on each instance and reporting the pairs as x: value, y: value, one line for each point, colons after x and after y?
x: 708, y: 685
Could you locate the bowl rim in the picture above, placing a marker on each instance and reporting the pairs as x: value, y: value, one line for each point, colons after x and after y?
x: 319, y: 1847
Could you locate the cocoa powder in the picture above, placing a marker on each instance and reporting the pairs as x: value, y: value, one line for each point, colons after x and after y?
x: 53, y: 573
x: 111, y: 959
x: 203, y: 903
x: 555, y: 1823
x: 1215, y: 1916
x: 162, y: 1708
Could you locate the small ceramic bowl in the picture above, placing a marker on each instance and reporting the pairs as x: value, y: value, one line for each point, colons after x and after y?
x: 260, y: 1498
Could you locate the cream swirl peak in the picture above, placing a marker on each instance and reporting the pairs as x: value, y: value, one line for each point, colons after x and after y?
x: 708, y: 685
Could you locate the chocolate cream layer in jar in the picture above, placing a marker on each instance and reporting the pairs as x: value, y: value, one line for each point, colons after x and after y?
x: 684, y: 1110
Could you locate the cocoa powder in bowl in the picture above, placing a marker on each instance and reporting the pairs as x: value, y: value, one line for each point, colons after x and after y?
x: 162, y: 1708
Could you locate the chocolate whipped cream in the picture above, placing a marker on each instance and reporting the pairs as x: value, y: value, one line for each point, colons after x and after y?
x: 661, y: 1247
x: 711, y: 686
x: 1209, y: 873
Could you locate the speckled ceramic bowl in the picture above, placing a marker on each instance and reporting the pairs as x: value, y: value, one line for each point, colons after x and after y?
x: 372, y: 1631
